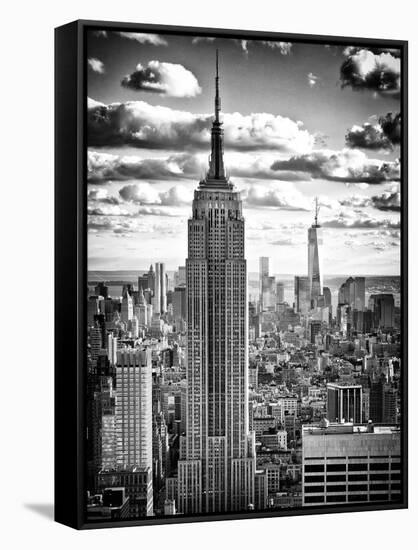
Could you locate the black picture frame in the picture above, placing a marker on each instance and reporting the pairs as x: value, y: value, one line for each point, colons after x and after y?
x: 71, y: 268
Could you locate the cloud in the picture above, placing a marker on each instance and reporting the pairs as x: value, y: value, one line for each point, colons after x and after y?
x: 391, y: 126
x: 376, y: 70
x: 144, y: 38
x: 312, y: 79
x: 138, y: 124
x: 198, y: 39
x: 96, y: 65
x: 284, y: 242
x: 382, y: 135
x: 105, y: 167
x: 152, y: 211
x: 348, y: 165
x: 283, y: 47
x: 176, y: 196
x: 387, y: 202
x: 283, y: 197
x: 355, y: 201
x: 145, y: 194
x: 140, y: 193
x: 109, y: 210
x: 138, y: 223
x: 169, y: 79
x: 350, y: 220
x: 102, y: 196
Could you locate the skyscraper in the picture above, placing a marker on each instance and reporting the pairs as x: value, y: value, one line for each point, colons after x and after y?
x: 160, y: 293
x: 133, y: 409
x: 314, y: 258
x: 344, y: 402
x: 383, y: 307
x: 217, y: 472
x: 302, y: 294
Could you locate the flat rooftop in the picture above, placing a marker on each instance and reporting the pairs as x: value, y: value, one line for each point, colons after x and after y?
x: 333, y: 428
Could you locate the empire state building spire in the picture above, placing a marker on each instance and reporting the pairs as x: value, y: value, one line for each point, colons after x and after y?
x: 216, y: 173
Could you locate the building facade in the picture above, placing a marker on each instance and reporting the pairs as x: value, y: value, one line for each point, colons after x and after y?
x: 349, y: 463
x: 217, y: 472
x: 314, y: 259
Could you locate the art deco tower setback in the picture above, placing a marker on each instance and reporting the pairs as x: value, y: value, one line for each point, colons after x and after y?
x: 217, y: 466
x: 314, y: 258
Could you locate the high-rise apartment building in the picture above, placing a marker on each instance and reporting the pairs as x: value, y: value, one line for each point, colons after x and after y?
x: 216, y: 473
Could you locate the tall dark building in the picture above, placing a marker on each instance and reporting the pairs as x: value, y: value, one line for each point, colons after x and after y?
x: 101, y: 290
x: 383, y: 307
x: 216, y: 472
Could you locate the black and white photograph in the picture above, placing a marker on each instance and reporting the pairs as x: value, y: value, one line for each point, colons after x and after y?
x: 244, y: 344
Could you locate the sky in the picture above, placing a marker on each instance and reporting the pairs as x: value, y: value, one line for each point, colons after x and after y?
x: 300, y: 121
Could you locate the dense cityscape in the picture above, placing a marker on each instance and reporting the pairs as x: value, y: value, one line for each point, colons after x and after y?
x: 205, y: 398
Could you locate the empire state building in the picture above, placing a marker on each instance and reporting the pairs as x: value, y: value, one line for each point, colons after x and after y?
x: 217, y: 458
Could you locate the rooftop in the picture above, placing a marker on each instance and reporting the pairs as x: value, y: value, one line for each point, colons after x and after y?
x: 329, y: 428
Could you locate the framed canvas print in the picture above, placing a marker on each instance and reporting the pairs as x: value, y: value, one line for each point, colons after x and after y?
x: 231, y: 274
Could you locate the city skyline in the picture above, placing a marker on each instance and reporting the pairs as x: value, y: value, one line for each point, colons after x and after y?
x: 207, y: 393
x: 148, y: 136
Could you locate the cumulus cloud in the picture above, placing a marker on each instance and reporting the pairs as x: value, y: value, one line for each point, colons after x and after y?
x: 282, y: 197
x: 145, y: 194
x: 170, y: 79
x: 152, y: 211
x: 105, y: 167
x: 140, y: 193
x: 355, y: 201
x: 383, y: 134
x: 96, y: 65
x: 348, y: 165
x: 391, y: 126
x: 352, y: 220
x: 138, y: 124
x: 108, y: 210
x: 176, y: 196
x: 283, y: 47
x: 102, y: 196
x: 144, y: 38
x: 387, y: 202
x: 366, y: 69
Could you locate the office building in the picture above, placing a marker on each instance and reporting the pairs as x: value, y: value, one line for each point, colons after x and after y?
x: 344, y: 402
x: 217, y: 472
x: 133, y: 408
x: 302, y: 295
x: 350, y: 463
x: 383, y: 307
x: 315, y: 259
